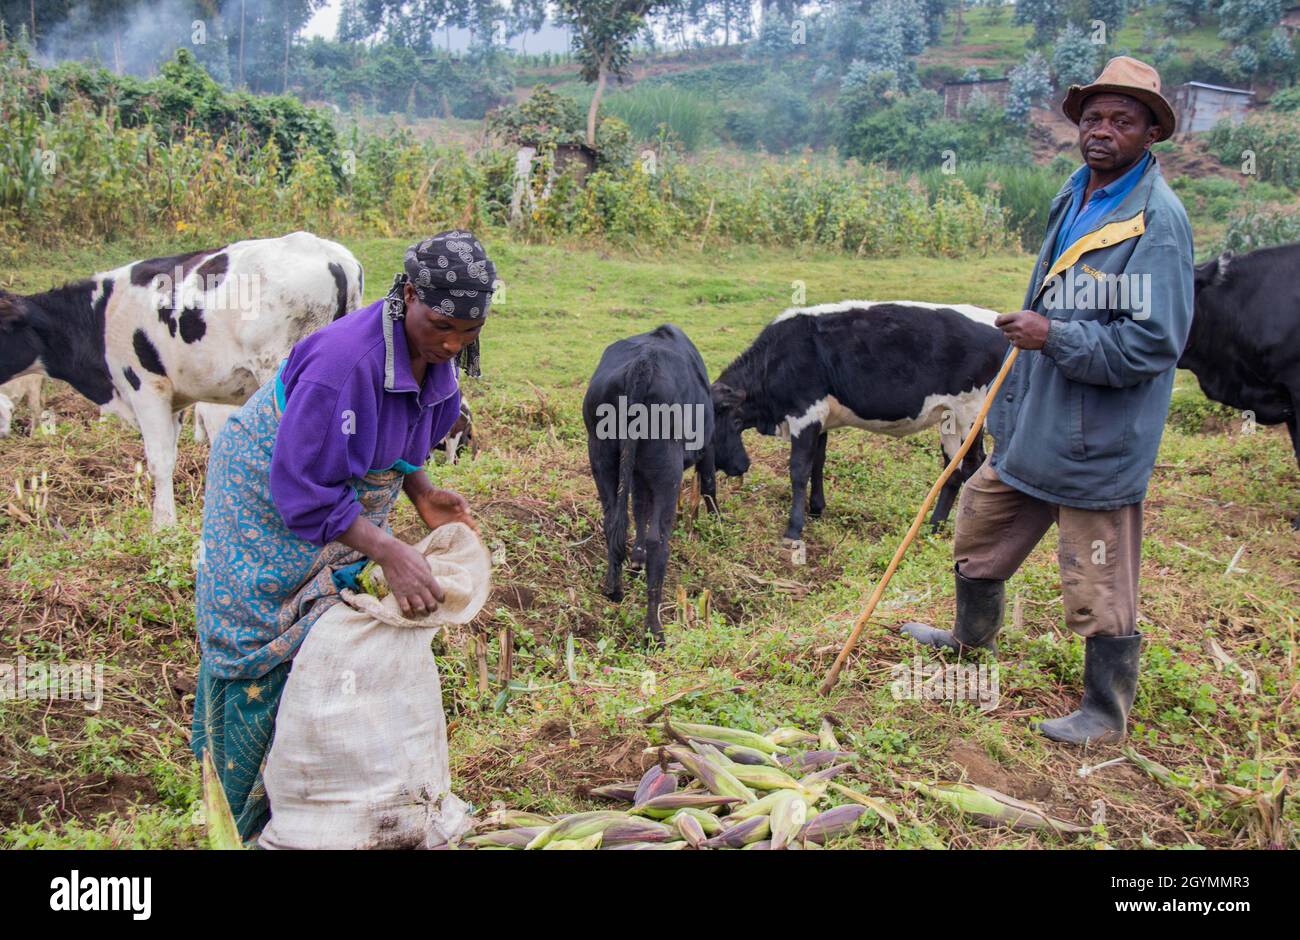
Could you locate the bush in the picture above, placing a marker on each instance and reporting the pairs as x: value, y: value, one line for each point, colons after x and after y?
x: 1025, y: 192
x: 1272, y: 139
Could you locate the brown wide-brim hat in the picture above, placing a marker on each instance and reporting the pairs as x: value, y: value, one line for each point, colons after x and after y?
x: 1124, y: 75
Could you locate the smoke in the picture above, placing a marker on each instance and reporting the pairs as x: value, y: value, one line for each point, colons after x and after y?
x: 140, y: 38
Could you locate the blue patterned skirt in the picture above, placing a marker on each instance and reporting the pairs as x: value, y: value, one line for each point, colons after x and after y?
x: 259, y: 589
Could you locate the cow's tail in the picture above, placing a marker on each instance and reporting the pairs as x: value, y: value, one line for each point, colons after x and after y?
x: 640, y: 376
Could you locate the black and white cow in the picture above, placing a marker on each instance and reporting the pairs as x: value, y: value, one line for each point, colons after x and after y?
x: 150, y: 338
x: 894, y: 367
x: 1244, y: 346
x: 648, y: 419
x: 461, y: 436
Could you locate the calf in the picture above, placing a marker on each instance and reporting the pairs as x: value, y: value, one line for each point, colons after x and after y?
x: 150, y: 338
x: 461, y: 435
x: 1244, y: 346
x: 29, y: 388
x: 648, y: 419
x: 209, y: 419
x: 893, y: 367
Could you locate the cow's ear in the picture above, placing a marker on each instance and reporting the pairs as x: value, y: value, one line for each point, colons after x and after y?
x: 1206, y: 274
x: 11, y: 311
x: 724, y: 396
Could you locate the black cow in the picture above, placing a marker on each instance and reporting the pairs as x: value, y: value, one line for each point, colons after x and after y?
x: 1244, y: 346
x: 648, y: 418
x: 893, y: 367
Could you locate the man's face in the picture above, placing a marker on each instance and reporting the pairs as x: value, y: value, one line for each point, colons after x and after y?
x: 433, y: 336
x: 1114, y: 130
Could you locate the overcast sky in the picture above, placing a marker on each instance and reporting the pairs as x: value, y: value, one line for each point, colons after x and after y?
x: 326, y: 21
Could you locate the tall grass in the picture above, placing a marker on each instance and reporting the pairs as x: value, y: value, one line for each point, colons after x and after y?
x: 689, y: 117
x: 1025, y: 192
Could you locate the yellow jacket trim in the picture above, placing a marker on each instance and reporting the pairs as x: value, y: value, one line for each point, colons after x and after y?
x: 1104, y: 237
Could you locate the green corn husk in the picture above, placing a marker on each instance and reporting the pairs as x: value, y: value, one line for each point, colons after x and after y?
x: 753, y: 829
x: 826, y: 738
x: 760, y: 807
x: 787, y: 735
x: 991, y: 808
x: 652, y: 784
x: 585, y: 844
x: 763, y: 777
x: 577, y: 826
x: 637, y: 829
x: 761, y: 845
x: 223, y: 834
x: 504, y: 838
x: 624, y: 792
x: 710, y: 823
x: 512, y: 819
x: 813, y: 760
x: 644, y: 846
x: 718, y: 779
x: 740, y: 754
x: 372, y: 581
x: 690, y: 829
x: 877, y: 807
x: 832, y: 823
x: 661, y: 807
x: 825, y: 775
x: 788, y: 816
x: 730, y: 735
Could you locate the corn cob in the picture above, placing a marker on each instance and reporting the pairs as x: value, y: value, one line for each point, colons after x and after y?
x: 372, y: 580
x: 761, y: 845
x: 512, y: 819
x: 787, y: 818
x: 654, y: 783
x: 832, y: 823
x: 760, y: 807
x: 827, y: 737
x: 825, y: 775
x: 729, y: 735
x: 711, y: 824
x: 811, y: 760
x: 642, y: 846
x: 504, y: 838
x: 661, y: 807
x: 753, y: 829
x: 992, y: 808
x: 637, y: 829
x: 690, y: 829
x: 587, y: 843
x: 623, y: 792
x: 718, y: 779
x: 765, y: 778
x: 739, y: 754
x: 577, y: 826
x: 787, y: 735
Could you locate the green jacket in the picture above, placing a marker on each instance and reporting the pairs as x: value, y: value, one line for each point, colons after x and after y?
x: 1079, y: 422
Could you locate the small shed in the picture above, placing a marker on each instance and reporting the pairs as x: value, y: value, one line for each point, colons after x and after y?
x: 1200, y: 106
x: 957, y: 95
x: 1291, y: 20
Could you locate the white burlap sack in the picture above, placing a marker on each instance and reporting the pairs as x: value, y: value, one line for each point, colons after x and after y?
x: 359, y: 758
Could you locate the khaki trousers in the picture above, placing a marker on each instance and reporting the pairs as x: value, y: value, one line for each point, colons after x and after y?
x: 1099, y: 555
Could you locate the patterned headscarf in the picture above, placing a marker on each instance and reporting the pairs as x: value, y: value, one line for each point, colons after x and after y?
x: 452, y: 274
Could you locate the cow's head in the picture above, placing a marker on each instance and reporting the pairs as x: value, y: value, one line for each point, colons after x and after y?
x: 1213, y: 272
x: 729, y: 414
x: 19, y: 343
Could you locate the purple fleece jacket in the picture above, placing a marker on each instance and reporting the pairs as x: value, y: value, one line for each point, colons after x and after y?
x: 340, y: 421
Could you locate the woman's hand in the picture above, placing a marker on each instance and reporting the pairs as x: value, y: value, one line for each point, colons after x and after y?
x: 409, y: 579
x: 439, y: 507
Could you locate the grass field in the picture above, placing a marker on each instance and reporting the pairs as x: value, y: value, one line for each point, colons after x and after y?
x: 85, y: 579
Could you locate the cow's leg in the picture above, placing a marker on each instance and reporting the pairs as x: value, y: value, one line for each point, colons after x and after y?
x: 817, y: 505
x: 707, y: 473
x: 1293, y: 425
x: 950, y: 442
x: 803, y: 449
x: 642, y: 500
x: 660, y: 520
x: 160, y: 429
x: 35, y: 403
x: 604, y: 470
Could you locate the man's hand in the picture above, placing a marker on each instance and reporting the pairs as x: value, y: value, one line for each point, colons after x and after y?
x: 1024, y: 328
x: 439, y: 507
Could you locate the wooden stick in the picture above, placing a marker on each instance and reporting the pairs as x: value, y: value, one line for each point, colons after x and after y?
x: 948, y: 471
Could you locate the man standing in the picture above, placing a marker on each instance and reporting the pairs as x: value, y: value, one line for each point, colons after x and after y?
x: 1077, y: 424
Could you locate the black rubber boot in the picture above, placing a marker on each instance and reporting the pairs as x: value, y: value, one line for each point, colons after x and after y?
x: 980, y: 604
x: 1110, y: 672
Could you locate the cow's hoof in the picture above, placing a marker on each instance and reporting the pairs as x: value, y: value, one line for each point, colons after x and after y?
x: 614, y: 594
x: 814, y: 513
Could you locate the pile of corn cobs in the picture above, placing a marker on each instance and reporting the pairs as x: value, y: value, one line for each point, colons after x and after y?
x: 741, y: 791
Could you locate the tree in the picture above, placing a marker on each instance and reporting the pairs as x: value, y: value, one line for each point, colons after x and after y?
x: 602, y: 33
x: 1043, y: 15
x: 1075, y: 57
x: 1030, y: 84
